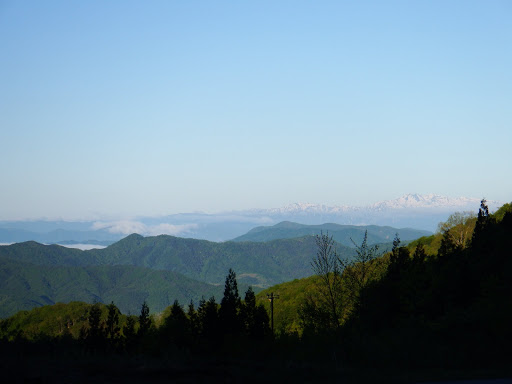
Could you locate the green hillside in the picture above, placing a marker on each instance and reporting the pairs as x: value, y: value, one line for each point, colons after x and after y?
x: 258, y: 264
x: 159, y: 269
x: 407, y: 314
x: 36, y: 253
x: 342, y: 234
x: 51, y: 321
x: 291, y: 296
x: 24, y: 286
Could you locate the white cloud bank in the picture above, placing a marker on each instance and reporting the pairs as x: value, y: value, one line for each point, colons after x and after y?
x: 127, y: 227
x: 83, y: 247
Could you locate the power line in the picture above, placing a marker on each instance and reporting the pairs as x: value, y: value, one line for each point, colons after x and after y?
x: 271, y: 298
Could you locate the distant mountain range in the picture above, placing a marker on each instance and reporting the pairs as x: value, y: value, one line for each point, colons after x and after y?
x: 342, y: 234
x: 409, y: 211
x: 162, y: 268
x: 157, y: 269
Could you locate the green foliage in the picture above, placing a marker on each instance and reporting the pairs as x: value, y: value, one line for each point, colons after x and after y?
x: 137, y: 268
x: 24, y: 286
x: 431, y: 244
x: 35, y: 253
x: 499, y: 215
x: 454, y: 304
x: 458, y: 228
x: 361, y: 270
x: 328, y: 267
x: 413, y: 309
x: 415, y: 282
x: 292, y: 295
x: 55, y: 321
x: 257, y: 264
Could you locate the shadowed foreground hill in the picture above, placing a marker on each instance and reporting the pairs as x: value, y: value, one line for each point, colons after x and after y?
x: 412, y: 318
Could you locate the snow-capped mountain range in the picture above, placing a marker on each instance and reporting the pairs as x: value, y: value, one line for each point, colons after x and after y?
x: 408, y: 211
x: 414, y: 200
x: 408, y: 201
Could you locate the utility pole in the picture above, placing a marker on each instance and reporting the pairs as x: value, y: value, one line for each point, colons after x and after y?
x: 271, y: 298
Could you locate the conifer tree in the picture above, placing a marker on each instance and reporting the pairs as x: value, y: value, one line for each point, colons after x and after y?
x: 113, y: 321
x: 419, y: 255
x: 177, y: 325
x: 193, y: 319
x: 248, y: 311
x: 94, y: 319
x: 261, y: 326
x: 144, y: 319
x: 230, y: 306
x: 208, y: 319
x: 129, y: 331
x: 95, y: 333
x: 447, y: 246
x: 394, y: 250
x: 483, y: 221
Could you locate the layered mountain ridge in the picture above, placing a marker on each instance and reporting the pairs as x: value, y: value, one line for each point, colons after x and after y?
x: 163, y: 268
x: 408, y: 211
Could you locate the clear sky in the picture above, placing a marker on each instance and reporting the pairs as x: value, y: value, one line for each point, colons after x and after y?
x: 122, y: 108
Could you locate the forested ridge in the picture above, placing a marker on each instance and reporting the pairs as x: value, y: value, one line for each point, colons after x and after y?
x: 203, y: 260
x: 342, y: 234
x: 24, y: 286
x: 157, y: 269
x: 438, y: 307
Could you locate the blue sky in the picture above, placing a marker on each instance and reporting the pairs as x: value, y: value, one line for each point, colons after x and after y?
x: 126, y: 108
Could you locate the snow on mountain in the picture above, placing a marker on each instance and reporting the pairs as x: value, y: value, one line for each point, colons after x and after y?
x: 413, y: 200
x: 410, y: 210
x: 307, y: 208
x: 408, y: 201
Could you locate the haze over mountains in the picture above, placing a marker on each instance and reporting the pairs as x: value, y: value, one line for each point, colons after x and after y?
x: 157, y: 269
x: 162, y: 268
x: 342, y: 234
x: 409, y: 211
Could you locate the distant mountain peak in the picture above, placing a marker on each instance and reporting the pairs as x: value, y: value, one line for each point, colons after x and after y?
x: 409, y: 200
x: 431, y: 200
x: 413, y: 210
